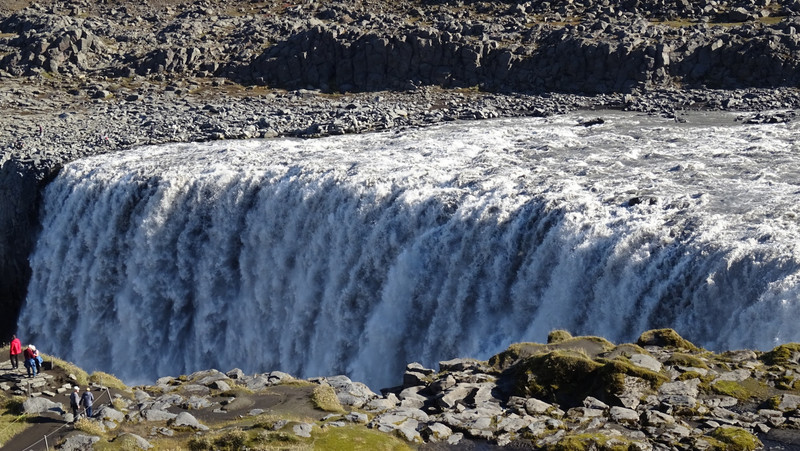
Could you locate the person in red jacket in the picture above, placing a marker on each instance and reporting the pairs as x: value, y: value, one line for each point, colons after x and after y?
x: 15, y: 351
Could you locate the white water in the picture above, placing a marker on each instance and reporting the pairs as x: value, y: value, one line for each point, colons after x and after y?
x: 358, y: 254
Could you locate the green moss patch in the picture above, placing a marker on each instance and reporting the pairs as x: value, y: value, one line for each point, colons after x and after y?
x: 589, y: 345
x: 357, y: 438
x: 568, y: 376
x: 666, y: 338
x: 744, y: 390
x: 736, y: 439
x: 784, y: 354
x: 591, y: 441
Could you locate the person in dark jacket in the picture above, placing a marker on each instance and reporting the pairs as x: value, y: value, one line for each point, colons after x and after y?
x: 87, y: 400
x: 75, y: 402
x: 15, y: 350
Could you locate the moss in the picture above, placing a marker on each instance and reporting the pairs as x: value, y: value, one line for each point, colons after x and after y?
x: 668, y: 338
x: 689, y: 375
x: 558, y: 336
x: 736, y: 439
x: 325, y: 399
x: 731, y: 388
x: 514, y: 353
x: 567, y: 376
x: 555, y: 374
x: 781, y: 355
x: 591, y: 441
x: 747, y: 389
x: 357, y: 438
x: 681, y: 359
x: 589, y: 345
x: 626, y: 350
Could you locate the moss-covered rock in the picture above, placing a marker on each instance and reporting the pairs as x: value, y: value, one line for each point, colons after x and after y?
x: 736, y: 439
x: 557, y: 336
x: 683, y: 359
x: 567, y: 376
x: 784, y: 354
x: 591, y: 441
x: 667, y: 338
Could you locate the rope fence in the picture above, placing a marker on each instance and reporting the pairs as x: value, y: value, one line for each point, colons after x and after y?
x: 80, y: 413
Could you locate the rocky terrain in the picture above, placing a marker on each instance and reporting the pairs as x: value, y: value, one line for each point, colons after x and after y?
x: 573, y: 393
x: 79, y: 78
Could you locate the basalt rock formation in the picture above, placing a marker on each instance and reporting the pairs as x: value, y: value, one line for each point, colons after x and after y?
x: 573, y: 393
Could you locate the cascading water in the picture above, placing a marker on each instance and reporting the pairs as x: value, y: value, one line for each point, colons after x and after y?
x: 358, y: 254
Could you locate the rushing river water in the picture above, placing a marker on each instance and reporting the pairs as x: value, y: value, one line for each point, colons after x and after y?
x: 357, y: 254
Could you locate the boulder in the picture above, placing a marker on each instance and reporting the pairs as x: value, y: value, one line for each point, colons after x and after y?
x: 38, y: 405
x: 302, y: 429
x: 79, y: 442
x: 131, y: 441
x: 188, y: 420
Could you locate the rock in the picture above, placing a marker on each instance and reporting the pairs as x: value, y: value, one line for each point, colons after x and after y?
x: 157, y: 415
x: 79, y: 442
x: 132, y: 441
x: 350, y: 393
x: 108, y: 413
x: 537, y: 407
x: 623, y: 415
x: 33, y: 406
x: 436, y: 432
x: 646, y: 361
x: 302, y: 429
x: 188, y: 420
x: 786, y: 402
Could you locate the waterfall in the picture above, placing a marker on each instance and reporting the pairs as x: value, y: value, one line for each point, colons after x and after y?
x: 358, y: 254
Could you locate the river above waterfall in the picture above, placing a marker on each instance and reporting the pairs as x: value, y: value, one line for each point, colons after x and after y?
x: 358, y: 254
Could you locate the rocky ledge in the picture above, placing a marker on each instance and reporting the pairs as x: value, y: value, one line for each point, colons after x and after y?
x: 573, y: 393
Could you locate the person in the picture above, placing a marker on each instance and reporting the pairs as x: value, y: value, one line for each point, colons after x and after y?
x: 15, y: 351
x: 37, y: 359
x: 87, y: 400
x: 30, y: 360
x: 75, y: 402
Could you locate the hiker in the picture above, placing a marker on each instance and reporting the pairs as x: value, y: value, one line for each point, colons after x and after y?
x: 37, y: 359
x: 75, y: 402
x: 87, y: 400
x: 30, y: 360
x: 15, y: 351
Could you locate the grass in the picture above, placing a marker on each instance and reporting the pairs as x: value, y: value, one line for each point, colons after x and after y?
x: 107, y: 380
x: 81, y: 376
x: 90, y: 427
x: 325, y: 399
x: 357, y: 438
x: 11, y: 421
x: 558, y: 336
